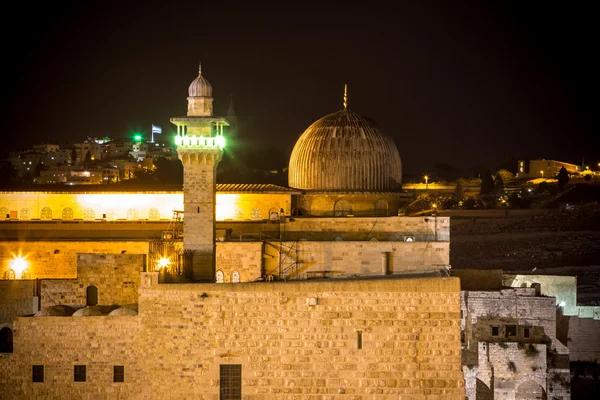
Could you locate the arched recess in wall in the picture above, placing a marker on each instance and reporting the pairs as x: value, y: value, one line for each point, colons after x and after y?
x: 342, y: 208
x: 46, y: 214
x: 67, y: 214
x: 530, y: 390
x: 4, y: 214
x: 6, y: 340
x: 235, y: 277
x: 219, y: 276
x: 25, y: 214
x: 239, y: 213
x: 274, y: 214
x: 482, y: 391
x: 9, y: 274
x: 153, y: 214
x: 91, y: 295
x: 26, y: 274
x: 89, y: 214
x: 132, y: 214
x: 256, y: 214
x: 381, y: 208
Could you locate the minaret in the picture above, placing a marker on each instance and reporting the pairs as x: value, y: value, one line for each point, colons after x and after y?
x: 200, y: 145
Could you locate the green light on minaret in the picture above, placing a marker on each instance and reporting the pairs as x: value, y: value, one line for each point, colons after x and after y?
x: 220, y: 141
x: 137, y: 138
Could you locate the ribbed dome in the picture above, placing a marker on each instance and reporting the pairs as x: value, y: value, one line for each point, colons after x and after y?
x: 200, y: 87
x: 345, y: 151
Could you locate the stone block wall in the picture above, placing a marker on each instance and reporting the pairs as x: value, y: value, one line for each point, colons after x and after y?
x: 245, y: 258
x: 584, y: 339
x: 292, y: 339
x: 16, y: 298
x: 365, y: 228
x: 116, y: 276
x: 58, y: 259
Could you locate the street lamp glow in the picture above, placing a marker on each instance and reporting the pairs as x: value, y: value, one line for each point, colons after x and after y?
x: 163, y: 262
x: 18, y: 264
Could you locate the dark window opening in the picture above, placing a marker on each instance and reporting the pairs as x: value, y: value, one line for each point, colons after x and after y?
x: 231, y: 381
x: 79, y: 373
x: 359, y: 340
x: 119, y: 373
x: 511, y: 330
x: 495, y: 331
x: 92, y: 295
x: 525, y: 332
x: 37, y: 373
x: 6, y: 340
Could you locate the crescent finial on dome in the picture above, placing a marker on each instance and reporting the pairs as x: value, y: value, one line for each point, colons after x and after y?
x: 345, y: 96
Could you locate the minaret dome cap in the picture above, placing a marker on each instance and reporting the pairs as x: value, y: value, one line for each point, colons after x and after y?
x: 200, y: 87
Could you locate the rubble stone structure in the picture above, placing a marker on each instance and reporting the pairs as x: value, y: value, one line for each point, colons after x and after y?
x: 510, y: 349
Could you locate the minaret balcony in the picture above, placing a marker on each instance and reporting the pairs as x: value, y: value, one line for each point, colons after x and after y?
x: 200, y: 142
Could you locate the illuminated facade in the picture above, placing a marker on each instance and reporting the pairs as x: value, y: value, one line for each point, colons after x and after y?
x: 544, y: 168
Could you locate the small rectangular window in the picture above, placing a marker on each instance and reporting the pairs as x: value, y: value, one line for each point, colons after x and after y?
x: 511, y: 330
x: 37, y: 373
x: 495, y: 331
x: 119, y: 373
x: 359, y: 339
x: 525, y: 332
x: 231, y: 381
x: 79, y: 373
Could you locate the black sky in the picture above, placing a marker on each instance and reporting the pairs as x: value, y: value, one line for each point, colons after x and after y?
x: 456, y: 82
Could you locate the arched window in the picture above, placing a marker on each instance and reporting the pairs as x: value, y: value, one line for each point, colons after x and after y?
x: 381, y: 208
x: 219, y: 277
x: 342, y: 208
x: 10, y: 274
x: 25, y: 214
x: 235, y: 277
x: 26, y: 274
x: 153, y: 213
x: 91, y: 295
x: 256, y: 214
x: 111, y: 216
x: 67, y: 214
x: 46, y: 214
x: 6, y: 340
x: 4, y: 214
x: 239, y: 214
x: 89, y: 214
x: 132, y: 214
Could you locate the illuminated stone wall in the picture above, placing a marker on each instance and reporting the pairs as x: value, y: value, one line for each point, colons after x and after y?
x: 58, y: 259
x: 132, y: 206
x: 361, y: 204
x: 16, y: 298
x: 117, y: 278
x: 243, y: 259
x: 290, y: 338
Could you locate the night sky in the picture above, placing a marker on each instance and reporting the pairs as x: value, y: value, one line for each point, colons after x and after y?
x: 462, y: 83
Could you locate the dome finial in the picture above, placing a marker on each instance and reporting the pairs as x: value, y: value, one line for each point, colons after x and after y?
x: 200, y: 67
x: 345, y: 96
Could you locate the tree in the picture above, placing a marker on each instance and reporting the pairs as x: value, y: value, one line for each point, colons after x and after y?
x: 498, y: 184
x: 487, y: 183
x: 73, y: 156
x: 460, y: 189
x: 563, y: 179
x: 87, y: 160
x: 506, y: 175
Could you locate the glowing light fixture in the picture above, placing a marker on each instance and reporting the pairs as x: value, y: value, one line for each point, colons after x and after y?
x: 163, y: 262
x: 561, y: 304
x: 18, y: 264
x: 137, y: 138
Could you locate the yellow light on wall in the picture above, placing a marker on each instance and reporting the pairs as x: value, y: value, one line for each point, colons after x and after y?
x: 18, y: 264
x: 164, y: 262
